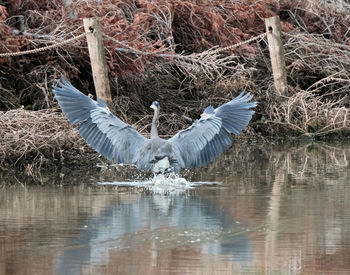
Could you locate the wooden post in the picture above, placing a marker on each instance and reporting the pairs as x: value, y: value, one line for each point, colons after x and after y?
x: 273, y: 30
x: 98, y: 59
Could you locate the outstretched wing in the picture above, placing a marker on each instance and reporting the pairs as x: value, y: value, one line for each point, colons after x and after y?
x: 236, y: 114
x: 209, y: 136
x: 105, y: 133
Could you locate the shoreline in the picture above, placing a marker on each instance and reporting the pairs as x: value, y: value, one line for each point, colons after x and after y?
x: 45, y: 140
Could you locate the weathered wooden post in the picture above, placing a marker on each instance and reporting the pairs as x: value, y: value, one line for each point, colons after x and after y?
x: 273, y: 30
x: 98, y: 59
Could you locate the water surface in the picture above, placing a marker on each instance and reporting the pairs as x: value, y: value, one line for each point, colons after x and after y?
x: 276, y: 210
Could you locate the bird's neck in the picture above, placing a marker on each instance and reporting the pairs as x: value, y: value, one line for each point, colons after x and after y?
x: 154, y: 130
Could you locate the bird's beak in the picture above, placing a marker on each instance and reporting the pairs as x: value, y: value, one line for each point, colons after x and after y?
x: 152, y: 106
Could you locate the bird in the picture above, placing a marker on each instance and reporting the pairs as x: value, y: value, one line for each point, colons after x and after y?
x: 199, y: 144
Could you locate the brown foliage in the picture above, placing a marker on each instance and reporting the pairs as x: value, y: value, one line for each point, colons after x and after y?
x: 329, y: 18
x: 151, y: 26
x: 219, y: 23
x: 3, y: 14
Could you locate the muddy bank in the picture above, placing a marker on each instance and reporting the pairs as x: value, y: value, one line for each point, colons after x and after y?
x: 292, y: 156
x: 45, y: 140
x: 34, y: 140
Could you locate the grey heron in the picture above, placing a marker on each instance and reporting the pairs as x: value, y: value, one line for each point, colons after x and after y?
x: 193, y: 147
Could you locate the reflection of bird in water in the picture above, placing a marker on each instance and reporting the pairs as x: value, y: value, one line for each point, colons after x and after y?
x: 193, y: 147
x: 157, y: 222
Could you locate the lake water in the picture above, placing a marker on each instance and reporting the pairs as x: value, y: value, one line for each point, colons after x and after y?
x: 259, y: 209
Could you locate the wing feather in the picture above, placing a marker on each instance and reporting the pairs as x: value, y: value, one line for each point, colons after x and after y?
x: 236, y: 114
x: 211, y: 135
x: 192, y: 140
x: 105, y: 133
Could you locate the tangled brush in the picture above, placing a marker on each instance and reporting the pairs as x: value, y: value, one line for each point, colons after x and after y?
x: 31, y: 139
x: 318, y: 76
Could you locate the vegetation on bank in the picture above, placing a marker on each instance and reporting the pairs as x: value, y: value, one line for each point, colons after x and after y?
x: 146, y: 65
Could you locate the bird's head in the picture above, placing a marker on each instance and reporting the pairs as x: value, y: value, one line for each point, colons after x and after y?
x: 155, y: 105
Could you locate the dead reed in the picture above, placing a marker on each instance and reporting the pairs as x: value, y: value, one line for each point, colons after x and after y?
x: 31, y: 139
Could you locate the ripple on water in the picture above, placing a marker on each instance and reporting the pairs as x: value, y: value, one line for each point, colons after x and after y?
x: 161, y: 184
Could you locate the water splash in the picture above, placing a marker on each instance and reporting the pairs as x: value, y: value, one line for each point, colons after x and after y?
x: 161, y: 184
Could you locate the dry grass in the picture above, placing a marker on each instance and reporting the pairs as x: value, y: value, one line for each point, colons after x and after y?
x: 306, y: 113
x: 31, y: 139
x: 318, y: 77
